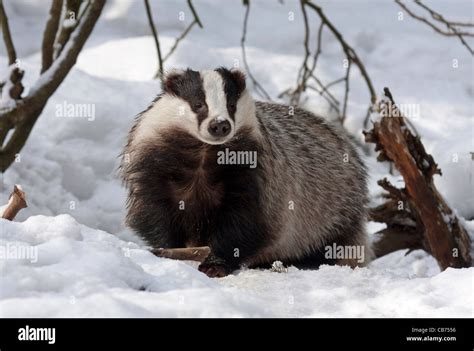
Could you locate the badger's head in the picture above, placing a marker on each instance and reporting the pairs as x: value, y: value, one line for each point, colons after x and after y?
x: 212, y: 106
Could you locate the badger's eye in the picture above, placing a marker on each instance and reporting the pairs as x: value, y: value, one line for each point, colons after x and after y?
x: 232, y: 108
x: 198, y: 106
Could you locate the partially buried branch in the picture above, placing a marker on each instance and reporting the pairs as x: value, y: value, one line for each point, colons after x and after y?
x: 187, y: 254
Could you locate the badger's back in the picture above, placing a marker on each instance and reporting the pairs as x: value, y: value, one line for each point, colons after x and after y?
x: 315, y: 184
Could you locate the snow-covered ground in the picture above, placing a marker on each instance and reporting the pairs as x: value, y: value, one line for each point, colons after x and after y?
x: 68, y: 167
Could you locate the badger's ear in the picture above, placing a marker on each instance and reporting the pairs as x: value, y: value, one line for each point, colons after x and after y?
x: 172, y: 80
x: 239, y: 78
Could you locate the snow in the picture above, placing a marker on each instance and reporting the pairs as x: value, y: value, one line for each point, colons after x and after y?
x: 68, y: 166
x: 83, y: 272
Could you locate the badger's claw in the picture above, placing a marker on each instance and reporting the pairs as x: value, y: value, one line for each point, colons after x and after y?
x: 214, y: 271
x: 214, y: 267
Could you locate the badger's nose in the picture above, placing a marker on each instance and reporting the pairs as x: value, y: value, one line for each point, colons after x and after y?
x: 219, y: 128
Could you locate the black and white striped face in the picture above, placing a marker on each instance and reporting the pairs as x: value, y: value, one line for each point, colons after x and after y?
x: 210, y: 105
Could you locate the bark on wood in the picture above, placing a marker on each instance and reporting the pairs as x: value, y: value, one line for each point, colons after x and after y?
x: 72, y: 9
x: 188, y: 253
x: 49, y: 35
x: 7, y: 37
x: 424, y: 211
x: 16, y: 202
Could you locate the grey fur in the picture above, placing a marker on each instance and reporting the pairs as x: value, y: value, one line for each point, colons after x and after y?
x: 305, y: 164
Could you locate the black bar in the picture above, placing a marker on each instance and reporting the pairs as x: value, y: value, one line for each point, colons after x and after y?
x: 319, y: 334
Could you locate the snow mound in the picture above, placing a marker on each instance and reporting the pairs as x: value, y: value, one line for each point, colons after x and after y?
x: 56, y: 267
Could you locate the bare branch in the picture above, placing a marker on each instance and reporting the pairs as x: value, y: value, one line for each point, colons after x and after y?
x: 49, y: 34
x: 196, y: 17
x: 349, y: 51
x: 258, y: 87
x: 71, y: 13
x: 451, y: 26
x: 7, y: 37
x: 346, y: 93
x: 27, y: 112
x: 196, y: 20
x: 155, y: 38
x: 307, y: 73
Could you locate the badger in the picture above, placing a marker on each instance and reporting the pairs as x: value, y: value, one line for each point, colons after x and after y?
x: 305, y: 193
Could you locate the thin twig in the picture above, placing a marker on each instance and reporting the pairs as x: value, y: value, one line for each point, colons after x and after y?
x: 7, y: 37
x: 306, y: 72
x: 155, y: 37
x: 196, y: 20
x: 196, y: 17
x: 49, y: 35
x: 346, y: 94
x: 348, y: 50
x: 451, y: 26
x: 258, y: 88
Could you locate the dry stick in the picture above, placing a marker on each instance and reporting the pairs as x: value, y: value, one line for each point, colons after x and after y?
x: 450, y: 25
x: 258, y: 88
x: 186, y: 31
x: 7, y: 37
x: 188, y: 254
x: 49, y: 35
x: 16, y: 202
x: 155, y: 38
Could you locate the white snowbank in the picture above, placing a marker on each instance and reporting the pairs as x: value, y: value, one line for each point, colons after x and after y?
x: 81, y: 272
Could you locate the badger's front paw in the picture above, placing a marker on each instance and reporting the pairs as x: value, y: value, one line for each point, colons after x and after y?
x: 214, y: 271
x: 214, y: 267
